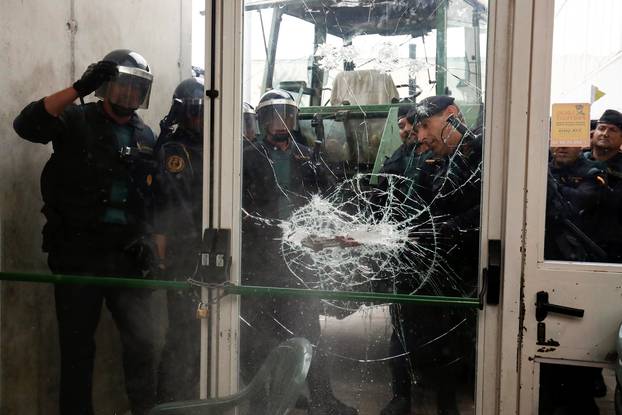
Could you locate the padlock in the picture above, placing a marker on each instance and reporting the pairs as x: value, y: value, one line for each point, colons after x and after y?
x: 202, y: 311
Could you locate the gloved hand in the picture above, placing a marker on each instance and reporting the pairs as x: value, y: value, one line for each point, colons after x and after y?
x: 173, y: 117
x: 94, y: 76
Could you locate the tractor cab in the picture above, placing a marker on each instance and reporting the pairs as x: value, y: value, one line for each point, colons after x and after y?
x: 351, y: 63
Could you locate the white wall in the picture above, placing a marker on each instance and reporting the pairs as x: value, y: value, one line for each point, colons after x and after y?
x: 587, y: 50
x: 40, y: 56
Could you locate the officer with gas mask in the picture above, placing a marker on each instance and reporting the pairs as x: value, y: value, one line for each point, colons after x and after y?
x: 178, y: 192
x: 96, y: 189
x: 279, y: 176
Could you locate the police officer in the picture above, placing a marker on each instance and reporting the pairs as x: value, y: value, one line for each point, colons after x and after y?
x: 279, y: 175
x: 439, y: 341
x: 607, y: 226
x: 96, y: 190
x: 249, y: 124
x: 606, y: 140
x: 453, y: 185
x: 407, y: 162
x: 576, y: 192
x: 396, y: 164
x: 178, y: 190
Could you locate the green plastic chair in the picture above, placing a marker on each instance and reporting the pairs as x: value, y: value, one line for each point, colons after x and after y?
x: 277, y: 385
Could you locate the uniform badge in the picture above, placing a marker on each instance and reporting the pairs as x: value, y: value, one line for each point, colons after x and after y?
x: 175, y: 164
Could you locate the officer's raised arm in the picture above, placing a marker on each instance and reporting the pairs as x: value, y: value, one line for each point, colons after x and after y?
x: 38, y: 122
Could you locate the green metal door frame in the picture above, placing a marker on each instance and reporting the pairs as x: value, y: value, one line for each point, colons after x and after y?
x: 232, y: 289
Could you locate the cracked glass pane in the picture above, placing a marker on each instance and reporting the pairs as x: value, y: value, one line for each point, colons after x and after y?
x: 362, y: 169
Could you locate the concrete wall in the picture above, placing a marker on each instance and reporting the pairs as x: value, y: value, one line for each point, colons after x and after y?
x: 45, y: 45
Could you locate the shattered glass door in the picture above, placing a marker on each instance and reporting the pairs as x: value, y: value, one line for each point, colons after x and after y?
x: 361, y: 187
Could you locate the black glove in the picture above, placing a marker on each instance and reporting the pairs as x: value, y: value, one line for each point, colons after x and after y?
x: 94, y: 76
x: 143, y: 251
x: 173, y: 117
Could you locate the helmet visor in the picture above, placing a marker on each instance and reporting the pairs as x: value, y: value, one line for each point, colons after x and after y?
x: 278, y: 118
x: 249, y: 125
x: 193, y: 107
x: 130, y: 89
x: 193, y: 114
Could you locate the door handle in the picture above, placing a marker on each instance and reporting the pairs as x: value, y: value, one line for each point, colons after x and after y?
x: 543, y: 307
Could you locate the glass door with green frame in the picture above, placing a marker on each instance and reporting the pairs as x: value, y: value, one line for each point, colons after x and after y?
x: 361, y: 186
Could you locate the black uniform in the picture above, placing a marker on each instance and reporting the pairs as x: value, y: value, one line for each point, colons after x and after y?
x: 179, y: 190
x: 275, y: 183
x: 97, y: 203
x: 396, y: 164
x: 408, y: 163
x: 440, y: 340
x: 577, y: 193
x: 606, y: 226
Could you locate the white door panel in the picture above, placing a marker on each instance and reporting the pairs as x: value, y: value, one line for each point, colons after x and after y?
x: 595, y: 288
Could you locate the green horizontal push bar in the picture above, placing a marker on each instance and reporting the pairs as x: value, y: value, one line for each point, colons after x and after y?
x: 88, y: 280
x: 373, y: 297
x: 353, y: 109
x: 242, y: 289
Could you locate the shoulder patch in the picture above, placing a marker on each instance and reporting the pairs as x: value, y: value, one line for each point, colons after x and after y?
x: 175, y: 164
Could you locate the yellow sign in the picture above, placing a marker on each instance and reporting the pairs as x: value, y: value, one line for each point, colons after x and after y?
x: 570, y: 125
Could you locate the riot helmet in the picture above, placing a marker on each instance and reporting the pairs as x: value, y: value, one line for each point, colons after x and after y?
x: 190, y: 93
x: 131, y: 88
x: 249, y: 122
x: 188, y: 97
x: 277, y: 114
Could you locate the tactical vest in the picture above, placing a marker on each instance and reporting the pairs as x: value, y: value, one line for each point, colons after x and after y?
x: 179, y: 186
x: 77, y: 182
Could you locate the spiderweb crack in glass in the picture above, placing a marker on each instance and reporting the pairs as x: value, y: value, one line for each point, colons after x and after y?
x: 359, y: 238
x: 387, y: 59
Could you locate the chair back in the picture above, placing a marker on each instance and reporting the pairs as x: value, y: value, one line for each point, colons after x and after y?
x: 275, y: 388
x: 282, y: 376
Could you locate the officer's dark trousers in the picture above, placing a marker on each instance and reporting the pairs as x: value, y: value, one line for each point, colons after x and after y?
x: 179, y: 370
x: 435, y: 344
x: 78, y: 310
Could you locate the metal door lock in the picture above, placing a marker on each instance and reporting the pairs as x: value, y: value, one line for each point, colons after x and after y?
x: 543, y: 308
